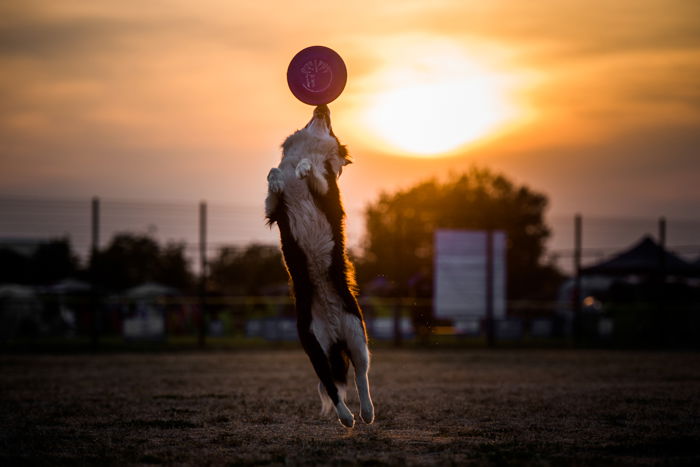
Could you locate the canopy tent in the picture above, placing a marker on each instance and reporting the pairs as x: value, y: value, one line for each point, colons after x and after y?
x: 645, y: 257
x: 150, y: 290
x: 69, y: 286
x: 20, y: 308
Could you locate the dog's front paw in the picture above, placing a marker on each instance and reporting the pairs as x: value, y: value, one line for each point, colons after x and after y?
x: 275, y: 182
x: 303, y: 168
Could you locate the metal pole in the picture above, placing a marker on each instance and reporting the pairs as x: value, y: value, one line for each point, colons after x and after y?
x: 398, y: 247
x: 95, y: 224
x: 94, y: 249
x: 202, y: 271
x: 661, y: 305
x: 662, y: 249
x: 576, y: 296
x: 490, y: 325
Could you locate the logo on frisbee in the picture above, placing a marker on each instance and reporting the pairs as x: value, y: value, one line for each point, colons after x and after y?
x: 317, y: 76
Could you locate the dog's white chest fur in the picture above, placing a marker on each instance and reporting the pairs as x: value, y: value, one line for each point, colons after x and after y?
x: 309, y: 225
x: 313, y: 233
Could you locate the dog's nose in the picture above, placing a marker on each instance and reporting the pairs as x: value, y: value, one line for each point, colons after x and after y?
x: 322, y: 113
x: 322, y: 110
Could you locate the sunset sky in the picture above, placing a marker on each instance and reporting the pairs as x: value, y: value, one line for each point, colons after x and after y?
x: 595, y: 103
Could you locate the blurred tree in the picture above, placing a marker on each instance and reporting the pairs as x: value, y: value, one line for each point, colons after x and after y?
x: 173, y: 267
x: 49, y: 262
x: 132, y: 259
x: 14, y: 267
x: 400, y: 228
x: 247, y: 270
x: 53, y: 261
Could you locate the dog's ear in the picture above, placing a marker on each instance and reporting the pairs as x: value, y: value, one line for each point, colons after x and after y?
x: 343, y: 153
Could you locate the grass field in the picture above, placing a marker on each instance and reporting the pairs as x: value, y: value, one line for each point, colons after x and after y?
x: 531, y: 407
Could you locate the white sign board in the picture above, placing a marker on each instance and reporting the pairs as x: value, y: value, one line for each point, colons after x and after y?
x: 461, y: 279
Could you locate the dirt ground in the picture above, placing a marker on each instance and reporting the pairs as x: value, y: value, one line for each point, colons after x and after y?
x: 481, y: 407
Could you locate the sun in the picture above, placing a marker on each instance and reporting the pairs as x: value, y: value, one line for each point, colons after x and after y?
x: 435, y: 102
x: 436, y: 118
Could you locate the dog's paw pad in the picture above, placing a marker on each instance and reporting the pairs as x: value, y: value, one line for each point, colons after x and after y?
x: 303, y: 168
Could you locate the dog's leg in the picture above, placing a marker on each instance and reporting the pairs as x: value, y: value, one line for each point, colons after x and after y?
x: 359, y: 355
x: 275, y: 185
x: 319, y: 361
x: 326, y: 402
x: 314, y: 175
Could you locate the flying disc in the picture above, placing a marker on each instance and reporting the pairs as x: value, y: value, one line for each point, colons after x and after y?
x: 317, y: 75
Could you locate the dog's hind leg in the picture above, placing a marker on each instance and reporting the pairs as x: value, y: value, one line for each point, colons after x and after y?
x: 359, y: 354
x: 321, y: 365
x: 338, y: 357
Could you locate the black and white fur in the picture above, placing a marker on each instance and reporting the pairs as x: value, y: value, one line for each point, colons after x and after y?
x: 304, y: 200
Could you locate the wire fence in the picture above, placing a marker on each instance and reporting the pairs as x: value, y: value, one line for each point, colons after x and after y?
x: 162, y: 315
x: 26, y: 220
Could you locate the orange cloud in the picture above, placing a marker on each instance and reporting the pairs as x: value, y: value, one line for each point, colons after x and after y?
x: 188, y: 99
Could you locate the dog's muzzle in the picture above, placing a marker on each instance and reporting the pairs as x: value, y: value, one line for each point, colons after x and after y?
x: 322, y: 114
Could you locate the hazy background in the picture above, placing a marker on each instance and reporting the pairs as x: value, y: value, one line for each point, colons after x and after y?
x: 182, y: 101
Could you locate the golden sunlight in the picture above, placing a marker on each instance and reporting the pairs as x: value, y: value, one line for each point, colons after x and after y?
x: 432, y: 104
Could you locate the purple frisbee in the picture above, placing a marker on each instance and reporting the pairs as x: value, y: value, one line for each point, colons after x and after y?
x: 317, y: 75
